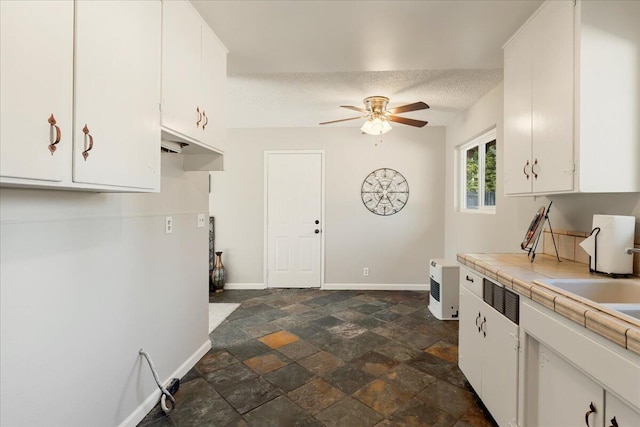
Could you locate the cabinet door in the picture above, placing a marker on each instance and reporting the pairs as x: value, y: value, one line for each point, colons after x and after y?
x: 553, y: 97
x: 36, y: 81
x: 500, y: 367
x: 181, y: 68
x: 117, y: 93
x: 212, y: 93
x: 517, y: 114
x: 470, y: 340
x: 565, y: 393
x: 625, y: 415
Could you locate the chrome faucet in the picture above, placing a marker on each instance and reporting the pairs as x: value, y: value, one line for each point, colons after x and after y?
x: 629, y: 251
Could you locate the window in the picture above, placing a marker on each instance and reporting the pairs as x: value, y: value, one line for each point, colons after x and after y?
x: 478, y: 173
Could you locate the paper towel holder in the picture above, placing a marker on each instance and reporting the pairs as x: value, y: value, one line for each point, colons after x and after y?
x: 596, y: 231
x: 595, y: 251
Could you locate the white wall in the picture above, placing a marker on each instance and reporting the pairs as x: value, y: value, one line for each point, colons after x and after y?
x: 87, y: 280
x: 503, y: 232
x: 395, y: 248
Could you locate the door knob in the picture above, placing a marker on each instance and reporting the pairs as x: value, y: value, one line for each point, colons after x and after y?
x: 317, y: 231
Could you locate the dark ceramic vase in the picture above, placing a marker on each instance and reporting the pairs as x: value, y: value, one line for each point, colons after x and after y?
x: 219, y: 274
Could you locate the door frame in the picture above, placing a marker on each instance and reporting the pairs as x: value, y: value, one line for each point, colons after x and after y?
x: 265, y: 207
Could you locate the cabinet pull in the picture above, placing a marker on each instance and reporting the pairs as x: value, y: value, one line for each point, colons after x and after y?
x: 533, y: 171
x: 484, y: 322
x: 478, y: 318
x: 199, y: 116
x: 614, y: 423
x: 88, y: 136
x: 469, y: 279
x: 54, y: 134
x: 592, y: 410
x: 206, y: 122
x: 524, y: 170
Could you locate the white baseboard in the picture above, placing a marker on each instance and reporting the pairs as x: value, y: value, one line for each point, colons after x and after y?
x: 141, y: 411
x: 376, y: 287
x: 343, y: 286
x: 244, y: 286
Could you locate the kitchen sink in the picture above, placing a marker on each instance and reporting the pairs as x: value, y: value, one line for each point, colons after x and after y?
x: 620, y: 291
x: 632, y: 310
x: 621, y: 295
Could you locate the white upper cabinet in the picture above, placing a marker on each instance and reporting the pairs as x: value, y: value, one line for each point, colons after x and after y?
x: 117, y: 93
x: 572, y: 100
x: 194, y: 69
x: 518, y: 114
x: 36, y: 85
x: 109, y: 80
x: 181, y: 64
x: 552, y: 97
x: 538, y: 103
x: 608, y: 105
x: 214, y: 74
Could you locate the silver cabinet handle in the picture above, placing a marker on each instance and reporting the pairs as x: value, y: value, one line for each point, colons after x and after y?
x: 88, y: 136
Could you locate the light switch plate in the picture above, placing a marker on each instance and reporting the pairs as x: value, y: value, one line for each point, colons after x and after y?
x: 201, y: 220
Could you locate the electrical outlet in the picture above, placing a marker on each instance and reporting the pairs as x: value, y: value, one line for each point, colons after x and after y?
x: 365, y: 271
x: 168, y: 225
x: 200, y: 220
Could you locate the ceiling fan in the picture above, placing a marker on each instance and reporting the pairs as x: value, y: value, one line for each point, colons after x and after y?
x: 378, y: 116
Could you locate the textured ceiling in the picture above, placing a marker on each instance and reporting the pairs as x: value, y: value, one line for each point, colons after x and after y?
x: 292, y: 63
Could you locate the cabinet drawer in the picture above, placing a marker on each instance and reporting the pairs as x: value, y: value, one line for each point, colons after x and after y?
x: 471, y: 281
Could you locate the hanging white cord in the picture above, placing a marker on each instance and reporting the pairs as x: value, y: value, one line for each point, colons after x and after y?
x: 165, y: 393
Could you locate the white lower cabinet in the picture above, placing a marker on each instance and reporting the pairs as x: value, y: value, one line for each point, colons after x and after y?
x: 617, y: 413
x: 488, y: 356
x: 571, y: 377
x: 563, y: 396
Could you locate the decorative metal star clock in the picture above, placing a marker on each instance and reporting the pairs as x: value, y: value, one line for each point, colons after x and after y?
x: 385, y: 191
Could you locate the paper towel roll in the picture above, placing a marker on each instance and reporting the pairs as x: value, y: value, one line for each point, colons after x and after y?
x: 616, y: 234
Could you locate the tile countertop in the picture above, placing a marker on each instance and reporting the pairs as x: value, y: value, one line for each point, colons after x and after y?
x: 516, y: 272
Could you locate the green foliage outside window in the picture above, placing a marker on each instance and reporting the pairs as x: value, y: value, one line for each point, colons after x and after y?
x: 480, y: 185
x: 472, y: 170
x: 490, y: 168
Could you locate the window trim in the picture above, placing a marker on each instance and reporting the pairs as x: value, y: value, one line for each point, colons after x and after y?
x: 479, y: 141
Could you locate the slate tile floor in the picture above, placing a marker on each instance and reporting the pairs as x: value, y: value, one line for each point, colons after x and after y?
x: 296, y: 357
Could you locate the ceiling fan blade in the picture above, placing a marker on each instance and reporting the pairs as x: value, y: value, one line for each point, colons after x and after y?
x: 351, y: 107
x: 406, y: 121
x: 409, y: 107
x: 342, y: 120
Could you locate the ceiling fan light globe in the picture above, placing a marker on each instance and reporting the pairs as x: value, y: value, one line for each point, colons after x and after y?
x: 376, y: 126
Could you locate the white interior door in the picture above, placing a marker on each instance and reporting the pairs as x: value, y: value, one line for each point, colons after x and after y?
x: 294, y: 197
